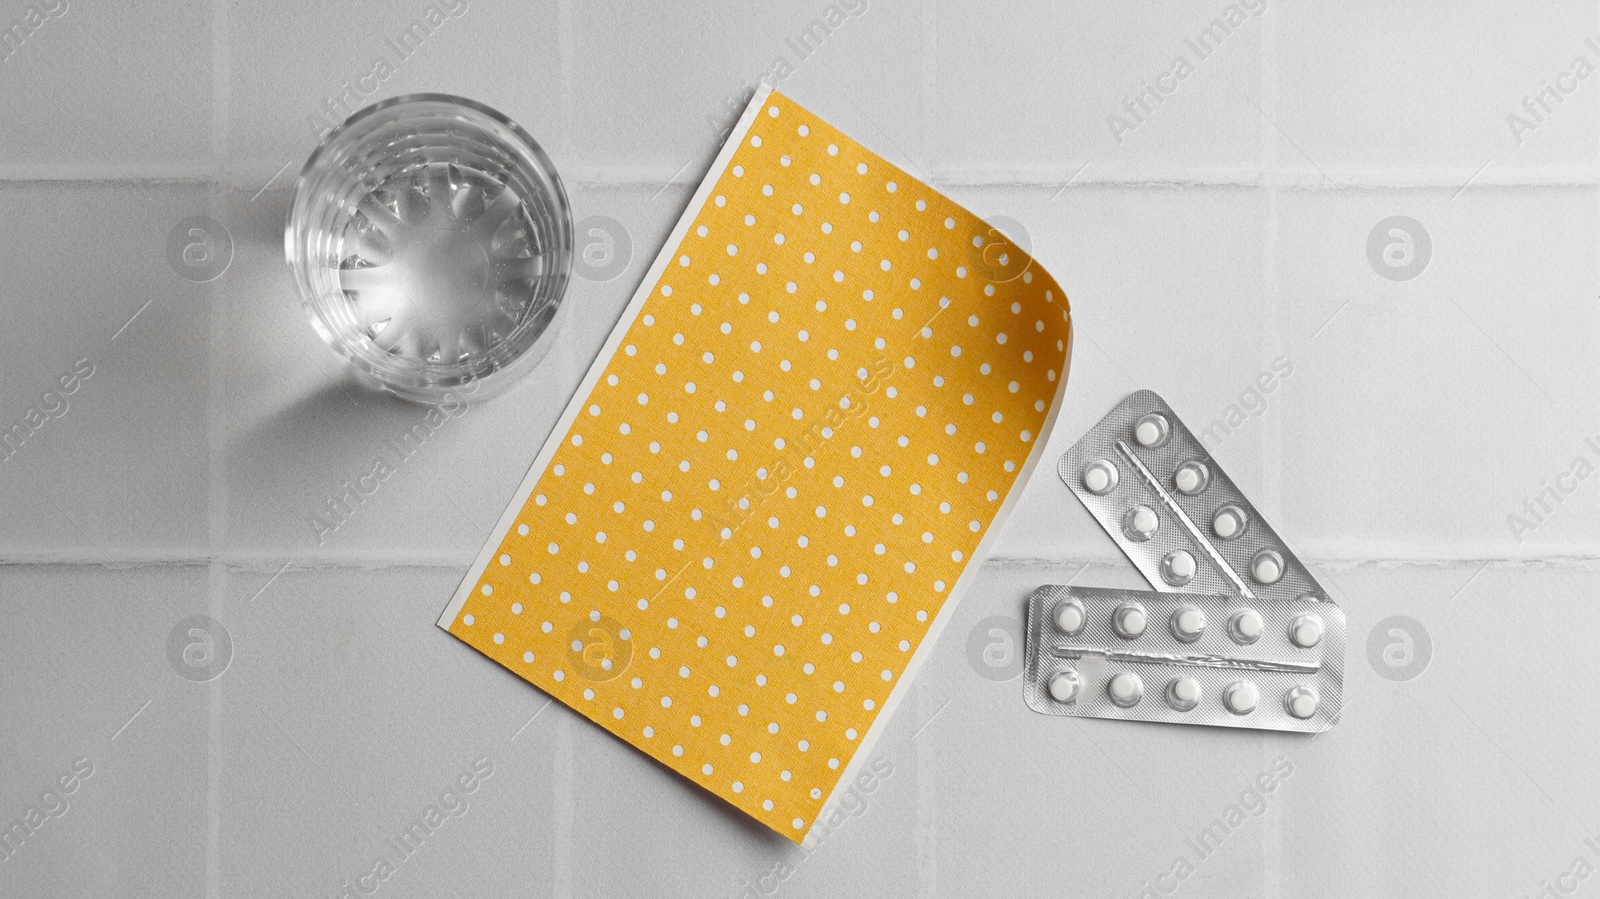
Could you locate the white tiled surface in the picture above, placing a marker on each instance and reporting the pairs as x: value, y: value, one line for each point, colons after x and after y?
x: 1227, y: 229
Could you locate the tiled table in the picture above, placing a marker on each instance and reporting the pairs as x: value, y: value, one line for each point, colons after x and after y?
x: 1200, y: 237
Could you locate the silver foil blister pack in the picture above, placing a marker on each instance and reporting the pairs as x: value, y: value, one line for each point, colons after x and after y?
x: 1151, y: 484
x: 1186, y: 658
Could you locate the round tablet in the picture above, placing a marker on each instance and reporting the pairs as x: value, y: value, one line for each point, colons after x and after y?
x: 1245, y: 626
x: 1183, y: 693
x: 1301, y: 702
x: 1064, y: 686
x: 1228, y: 523
x: 1128, y: 620
x: 1267, y: 566
x: 1125, y: 689
x: 1178, y: 567
x: 1240, y: 697
x: 1152, y: 430
x: 1140, y: 523
x: 1191, y: 478
x: 1306, y: 631
x: 1100, y: 477
x: 1069, y: 617
x: 1188, y: 623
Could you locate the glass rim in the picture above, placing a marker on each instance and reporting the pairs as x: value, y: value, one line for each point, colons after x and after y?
x: 349, y: 134
x: 356, y: 118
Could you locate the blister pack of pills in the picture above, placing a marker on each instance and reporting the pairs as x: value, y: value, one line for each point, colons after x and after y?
x: 1184, y: 658
x: 1151, y: 484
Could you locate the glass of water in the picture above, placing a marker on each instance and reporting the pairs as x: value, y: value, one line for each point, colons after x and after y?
x: 431, y: 242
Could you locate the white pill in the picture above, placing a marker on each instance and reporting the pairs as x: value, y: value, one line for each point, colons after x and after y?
x: 1228, y: 523
x: 1140, y: 523
x: 1241, y: 697
x: 1306, y: 631
x: 1100, y: 477
x: 1191, y: 478
x: 1064, y: 686
x: 1301, y: 702
x: 1188, y: 623
x: 1069, y: 617
x: 1183, y: 693
x: 1178, y: 568
x: 1245, y: 626
x: 1128, y: 620
x: 1125, y: 689
x: 1267, y: 567
x: 1152, y: 430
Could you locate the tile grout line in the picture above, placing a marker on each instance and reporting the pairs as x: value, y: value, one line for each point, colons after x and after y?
x: 252, y: 174
x: 564, y: 802
x: 273, y: 564
x: 1272, y: 341
x: 930, y: 77
x: 566, y: 67
x: 563, y: 798
x: 216, y: 440
x: 1271, y: 434
x: 925, y: 763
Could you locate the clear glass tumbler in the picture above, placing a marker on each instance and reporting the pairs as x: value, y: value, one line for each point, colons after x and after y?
x: 431, y: 242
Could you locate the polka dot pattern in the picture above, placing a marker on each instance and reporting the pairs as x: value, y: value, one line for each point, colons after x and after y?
x: 768, y: 494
